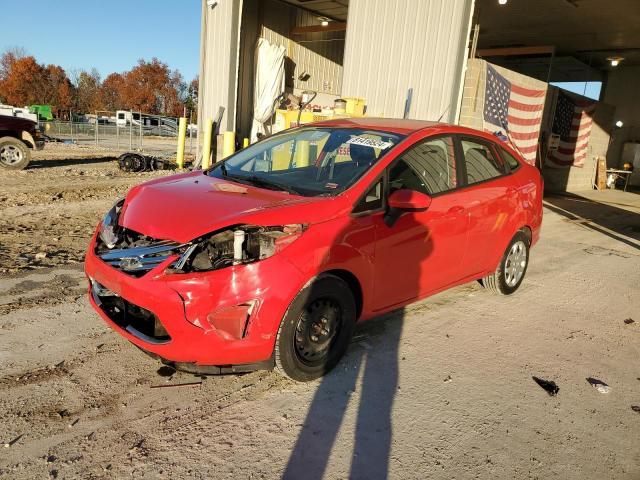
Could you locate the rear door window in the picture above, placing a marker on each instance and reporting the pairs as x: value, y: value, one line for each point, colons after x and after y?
x: 480, y: 162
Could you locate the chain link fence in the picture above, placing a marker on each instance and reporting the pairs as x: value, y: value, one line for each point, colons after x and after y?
x: 128, y: 137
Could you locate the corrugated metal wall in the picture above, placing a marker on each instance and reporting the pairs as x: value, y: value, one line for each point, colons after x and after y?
x: 219, y: 62
x: 394, y: 45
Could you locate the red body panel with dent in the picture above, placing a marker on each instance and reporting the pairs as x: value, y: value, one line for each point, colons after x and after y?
x: 460, y: 237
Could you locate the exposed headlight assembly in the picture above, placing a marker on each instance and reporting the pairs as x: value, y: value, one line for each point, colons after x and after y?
x: 236, y: 245
x: 109, y: 228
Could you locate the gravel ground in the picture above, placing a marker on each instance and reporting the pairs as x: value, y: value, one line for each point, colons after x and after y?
x: 441, y: 389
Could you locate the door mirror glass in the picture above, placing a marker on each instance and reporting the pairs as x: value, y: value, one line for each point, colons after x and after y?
x: 409, y: 200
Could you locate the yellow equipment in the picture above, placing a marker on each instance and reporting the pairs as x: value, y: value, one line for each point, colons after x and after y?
x: 229, y: 144
x: 206, y: 147
x: 182, y: 135
x: 355, y: 106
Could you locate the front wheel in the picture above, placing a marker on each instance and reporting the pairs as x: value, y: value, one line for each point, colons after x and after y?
x: 316, y: 329
x: 14, y: 154
x: 512, y: 268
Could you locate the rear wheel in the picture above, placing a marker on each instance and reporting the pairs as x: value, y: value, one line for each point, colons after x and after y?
x: 512, y: 268
x: 316, y: 329
x: 14, y: 154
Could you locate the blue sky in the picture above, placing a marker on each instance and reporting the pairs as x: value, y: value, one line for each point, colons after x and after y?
x: 588, y: 89
x: 110, y: 35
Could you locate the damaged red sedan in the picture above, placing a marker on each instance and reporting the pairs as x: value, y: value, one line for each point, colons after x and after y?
x: 270, y: 258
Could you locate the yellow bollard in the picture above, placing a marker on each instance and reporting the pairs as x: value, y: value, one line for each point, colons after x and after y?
x: 206, y: 145
x: 229, y: 144
x: 182, y: 135
x: 245, y: 143
x: 302, y: 153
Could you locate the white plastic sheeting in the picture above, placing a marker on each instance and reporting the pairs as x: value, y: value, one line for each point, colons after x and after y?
x: 268, y: 84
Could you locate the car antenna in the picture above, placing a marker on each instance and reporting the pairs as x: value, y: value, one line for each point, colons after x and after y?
x: 443, y: 113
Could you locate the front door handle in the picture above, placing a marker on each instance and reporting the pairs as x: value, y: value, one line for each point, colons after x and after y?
x: 457, y: 210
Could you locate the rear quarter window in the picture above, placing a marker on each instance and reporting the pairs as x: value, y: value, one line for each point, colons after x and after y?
x: 512, y: 161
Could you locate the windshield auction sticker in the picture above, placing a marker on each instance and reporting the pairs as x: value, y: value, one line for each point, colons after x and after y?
x: 370, y: 142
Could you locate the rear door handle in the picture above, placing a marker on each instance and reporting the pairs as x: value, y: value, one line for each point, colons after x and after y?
x: 511, y: 191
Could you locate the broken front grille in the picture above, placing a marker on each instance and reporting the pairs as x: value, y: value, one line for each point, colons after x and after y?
x: 139, y: 260
x: 136, y: 254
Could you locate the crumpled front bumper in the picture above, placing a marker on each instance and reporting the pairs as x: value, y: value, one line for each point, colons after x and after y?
x: 183, y: 302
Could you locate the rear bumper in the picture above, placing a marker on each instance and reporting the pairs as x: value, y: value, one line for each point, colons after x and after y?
x: 182, y: 304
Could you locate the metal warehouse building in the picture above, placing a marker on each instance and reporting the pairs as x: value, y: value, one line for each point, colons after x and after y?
x: 447, y: 60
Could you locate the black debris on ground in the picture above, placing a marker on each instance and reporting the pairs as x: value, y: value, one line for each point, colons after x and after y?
x: 629, y: 321
x: 548, y: 385
x: 15, y: 440
x: 166, y: 371
x: 598, y: 385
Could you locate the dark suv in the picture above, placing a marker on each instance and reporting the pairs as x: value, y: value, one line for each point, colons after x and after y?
x: 17, y: 136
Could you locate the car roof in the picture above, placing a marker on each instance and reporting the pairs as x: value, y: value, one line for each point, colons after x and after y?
x: 407, y: 127
x: 392, y: 125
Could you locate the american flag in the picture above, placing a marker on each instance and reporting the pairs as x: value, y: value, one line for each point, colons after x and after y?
x: 514, y: 110
x: 572, y: 120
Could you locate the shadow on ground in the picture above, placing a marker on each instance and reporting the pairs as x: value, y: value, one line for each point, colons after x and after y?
x: 68, y: 162
x: 613, y: 217
x: 370, y: 369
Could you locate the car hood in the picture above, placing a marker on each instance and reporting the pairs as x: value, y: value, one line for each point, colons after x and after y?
x: 17, y: 122
x: 185, y: 206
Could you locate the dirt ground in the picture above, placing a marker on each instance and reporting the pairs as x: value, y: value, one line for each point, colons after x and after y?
x: 442, y: 389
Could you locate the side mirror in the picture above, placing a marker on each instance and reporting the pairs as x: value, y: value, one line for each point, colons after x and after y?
x: 405, y: 200
x: 409, y: 200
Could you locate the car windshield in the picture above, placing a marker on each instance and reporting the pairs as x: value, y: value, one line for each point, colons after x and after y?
x: 308, y: 161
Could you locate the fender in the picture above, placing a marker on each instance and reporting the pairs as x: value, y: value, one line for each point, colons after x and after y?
x: 315, y: 254
x: 27, y: 138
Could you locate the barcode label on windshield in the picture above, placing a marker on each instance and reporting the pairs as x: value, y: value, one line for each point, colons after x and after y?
x: 370, y: 142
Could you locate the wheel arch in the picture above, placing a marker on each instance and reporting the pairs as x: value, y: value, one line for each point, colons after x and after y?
x: 10, y: 133
x: 23, y: 136
x: 354, y: 284
x: 526, y: 229
x: 27, y: 139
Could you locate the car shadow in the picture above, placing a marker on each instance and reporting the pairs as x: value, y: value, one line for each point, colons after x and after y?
x: 68, y: 162
x: 368, y: 372
x: 618, y: 223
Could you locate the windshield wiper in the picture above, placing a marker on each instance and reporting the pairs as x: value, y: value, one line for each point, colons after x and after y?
x: 263, y: 182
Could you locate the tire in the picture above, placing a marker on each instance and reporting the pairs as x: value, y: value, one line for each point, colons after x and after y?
x: 510, y: 272
x: 14, y: 153
x: 316, y: 330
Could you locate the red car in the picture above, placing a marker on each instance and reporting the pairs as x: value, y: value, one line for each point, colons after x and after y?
x: 271, y: 257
